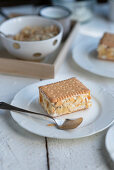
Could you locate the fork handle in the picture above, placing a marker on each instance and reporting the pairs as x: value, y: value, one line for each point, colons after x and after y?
x: 6, y: 106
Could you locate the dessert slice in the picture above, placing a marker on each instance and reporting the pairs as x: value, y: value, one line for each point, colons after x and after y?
x: 64, y: 97
x: 106, y: 47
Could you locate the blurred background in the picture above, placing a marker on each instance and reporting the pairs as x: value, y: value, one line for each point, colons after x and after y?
x: 82, y: 10
x: 34, y: 2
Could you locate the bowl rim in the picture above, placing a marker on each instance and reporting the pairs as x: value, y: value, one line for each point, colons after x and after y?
x: 34, y: 16
x: 54, y: 6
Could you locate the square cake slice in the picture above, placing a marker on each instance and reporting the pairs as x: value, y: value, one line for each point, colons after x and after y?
x: 64, y: 97
x: 106, y: 47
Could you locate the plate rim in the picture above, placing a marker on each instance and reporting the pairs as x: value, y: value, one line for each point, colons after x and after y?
x: 85, y: 68
x: 106, y: 141
x: 33, y: 84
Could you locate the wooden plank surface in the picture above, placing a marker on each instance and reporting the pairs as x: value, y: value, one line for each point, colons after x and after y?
x: 86, y: 153
x: 19, y: 149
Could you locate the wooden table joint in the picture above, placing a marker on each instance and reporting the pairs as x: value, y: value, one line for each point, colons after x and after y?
x: 47, y: 153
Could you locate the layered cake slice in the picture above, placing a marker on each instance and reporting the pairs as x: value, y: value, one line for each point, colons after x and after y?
x: 64, y: 97
x: 106, y: 47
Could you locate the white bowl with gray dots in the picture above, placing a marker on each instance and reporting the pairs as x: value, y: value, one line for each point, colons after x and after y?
x: 29, y: 50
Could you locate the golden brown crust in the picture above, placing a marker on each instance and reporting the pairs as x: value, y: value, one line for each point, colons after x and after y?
x: 63, y: 89
x: 107, y: 39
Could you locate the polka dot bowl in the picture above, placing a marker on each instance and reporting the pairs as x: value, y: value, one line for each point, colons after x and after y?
x: 29, y: 50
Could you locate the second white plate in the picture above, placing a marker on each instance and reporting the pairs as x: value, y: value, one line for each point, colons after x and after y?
x: 109, y: 142
x: 85, y: 55
x: 95, y: 119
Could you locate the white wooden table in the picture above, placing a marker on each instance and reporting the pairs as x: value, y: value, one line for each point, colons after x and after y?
x: 21, y: 150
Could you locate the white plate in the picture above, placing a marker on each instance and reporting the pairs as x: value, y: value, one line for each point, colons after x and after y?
x: 96, y: 119
x: 109, y: 142
x: 85, y: 55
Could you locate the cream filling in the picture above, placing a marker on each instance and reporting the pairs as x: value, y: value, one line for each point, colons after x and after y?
x: 105, y: 53
x: 67, y: 105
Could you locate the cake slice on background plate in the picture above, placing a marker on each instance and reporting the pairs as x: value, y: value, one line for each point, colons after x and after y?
x: 106, y: 47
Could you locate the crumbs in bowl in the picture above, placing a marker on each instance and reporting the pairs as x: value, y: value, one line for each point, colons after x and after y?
x: 36, y: 33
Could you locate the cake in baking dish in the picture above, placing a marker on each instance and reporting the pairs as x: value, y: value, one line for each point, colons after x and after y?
x: 64, y: 97
x: 106, y: 47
